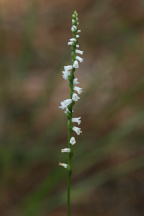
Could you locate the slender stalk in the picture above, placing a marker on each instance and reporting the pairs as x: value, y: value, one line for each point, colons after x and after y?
x: 68, y: 74
x: 69, y: 172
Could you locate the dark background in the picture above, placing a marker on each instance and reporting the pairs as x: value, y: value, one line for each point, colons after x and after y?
x: 108, y: 174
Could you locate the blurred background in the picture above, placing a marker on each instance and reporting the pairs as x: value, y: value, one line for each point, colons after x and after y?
x: 108, y: 162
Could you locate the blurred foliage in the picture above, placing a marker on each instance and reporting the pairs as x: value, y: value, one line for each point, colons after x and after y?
x: 108, y: 160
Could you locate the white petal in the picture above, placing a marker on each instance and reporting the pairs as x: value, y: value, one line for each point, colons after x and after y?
x: 66, y: 74
x: 75, y: 64
x: 73, y: 28
x: 72, y: 140
x: 73, y: 40
x: 75, y: 97
x: 79, y: 52
x: 77, y: 130
x: 70, y: 43
x: 79, y: 31
x: 77, y: 120
x: 77, y: 36
x: 79, y: 58
x: 65, y: 103
x: 75, y: 81
x: 65, y: 150
x: 77, y: 46
x: 63, y: 165
x: 78, y: 89
x: 67, y: 110
x: 68, y: 67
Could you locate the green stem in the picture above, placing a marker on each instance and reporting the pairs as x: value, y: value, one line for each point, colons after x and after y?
x: 69, y: 163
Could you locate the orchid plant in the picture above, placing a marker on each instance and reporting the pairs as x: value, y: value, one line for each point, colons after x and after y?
x: 67, y: 105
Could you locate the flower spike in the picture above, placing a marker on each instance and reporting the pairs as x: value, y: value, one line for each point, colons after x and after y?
x: 67, y: 105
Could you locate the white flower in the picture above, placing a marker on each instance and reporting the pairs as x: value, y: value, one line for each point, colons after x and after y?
x: 63, y: 164
x: 79, y: 52
x: 65, y: 150
x: 77, y: 120
x: 65, y: 103
x: 75, y: 64
x: 73, y: 20
x: 66, y: 74
x: 73, y: 28
x: 77, y: 36
x: 75, y: 97
x: 68, y: 67
x: 73, y: 40
x: 77, y: 46
x: 67, y: 110
x: 78, y: 89
x: 72, y: 141
x: 70, y: 43
x: 77, y: 130
x: 75, y: 81
x: 79, y: 58
x: 79, y: 31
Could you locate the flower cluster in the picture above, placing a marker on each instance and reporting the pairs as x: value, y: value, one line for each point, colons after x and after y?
x: 75, y: 91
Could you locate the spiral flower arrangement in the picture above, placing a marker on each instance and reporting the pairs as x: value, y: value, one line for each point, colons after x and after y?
x: 67, y: 105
